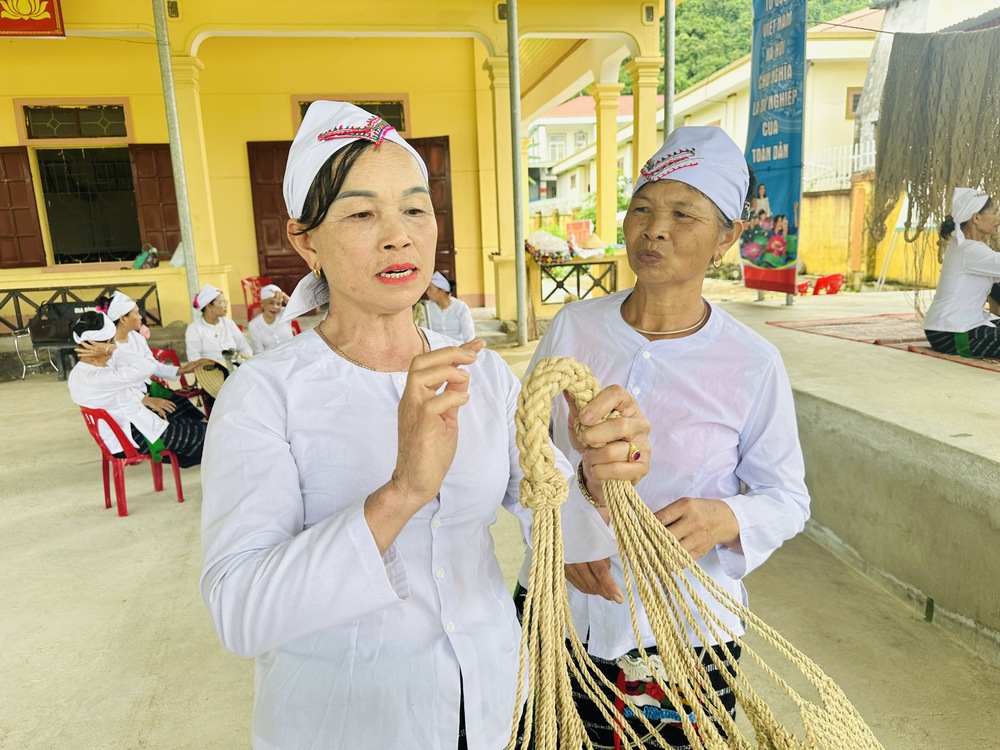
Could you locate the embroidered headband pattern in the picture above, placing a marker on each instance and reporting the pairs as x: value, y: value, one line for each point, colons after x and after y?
x: 656, y: 169
x: 375, y: 130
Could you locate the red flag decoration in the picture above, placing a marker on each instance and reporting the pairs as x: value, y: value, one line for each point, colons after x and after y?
x: 31, y: 18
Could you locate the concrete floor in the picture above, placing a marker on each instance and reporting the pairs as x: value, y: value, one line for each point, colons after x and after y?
x: 106, y: 645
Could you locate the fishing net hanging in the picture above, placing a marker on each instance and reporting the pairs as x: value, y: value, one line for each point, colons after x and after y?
x: 651, y: 557
x: 938, y: 126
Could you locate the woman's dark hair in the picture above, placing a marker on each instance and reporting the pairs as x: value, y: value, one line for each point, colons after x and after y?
x: 328, y: 183
x: 760, y: 187
x: 89, y: 321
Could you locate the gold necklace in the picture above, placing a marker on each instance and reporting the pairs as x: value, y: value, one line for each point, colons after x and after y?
x: 425, y: 346
x: 700, y: 322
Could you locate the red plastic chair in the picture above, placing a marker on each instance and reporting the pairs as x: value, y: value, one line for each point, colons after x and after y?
x: 251, y: 293
x: 132, y: 457
x: 803, y: 288
x: 829, y: 284
x: 187, y: 390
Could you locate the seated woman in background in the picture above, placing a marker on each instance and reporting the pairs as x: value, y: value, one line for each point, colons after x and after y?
x: 957, y: 321
x: 212, y: 333
x: 446, y: 314
x: 266, y: 331
x: 109, y: 377
x: 124, y: 313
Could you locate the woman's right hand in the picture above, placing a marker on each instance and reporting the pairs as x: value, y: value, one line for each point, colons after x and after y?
x: 428, y: 420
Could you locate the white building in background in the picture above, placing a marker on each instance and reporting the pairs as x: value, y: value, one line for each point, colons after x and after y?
x: 561, y: 154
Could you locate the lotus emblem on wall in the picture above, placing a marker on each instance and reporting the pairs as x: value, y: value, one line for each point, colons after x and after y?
x: 24, y: 10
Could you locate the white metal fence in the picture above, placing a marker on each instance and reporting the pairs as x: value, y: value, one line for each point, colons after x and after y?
x: 831, y: 168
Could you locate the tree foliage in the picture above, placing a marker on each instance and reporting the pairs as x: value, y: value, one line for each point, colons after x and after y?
x: 710, y: 34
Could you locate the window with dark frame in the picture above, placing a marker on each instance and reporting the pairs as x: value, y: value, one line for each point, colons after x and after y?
x: 853, y: 101
x: 92, y: 121
x: 390, y: 110
x: 90, y: 204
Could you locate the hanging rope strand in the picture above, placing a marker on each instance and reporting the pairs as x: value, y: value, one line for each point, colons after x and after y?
x: 675, y: 605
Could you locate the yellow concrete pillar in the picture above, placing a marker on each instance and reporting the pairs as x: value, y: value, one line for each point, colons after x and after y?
x: 187, y: 72
x: 499, y: 70
x: 606, y: 107
x: 645, y: 77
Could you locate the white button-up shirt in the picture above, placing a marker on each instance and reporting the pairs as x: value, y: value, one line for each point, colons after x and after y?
x: 968, y: 272
x: 137, y: 344
x: 721, y: 413
x: 356, y: 649
x: 204, y: 340
x: 264, y: 335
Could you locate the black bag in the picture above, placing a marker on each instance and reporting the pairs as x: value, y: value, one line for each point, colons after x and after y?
x: 49, y: 327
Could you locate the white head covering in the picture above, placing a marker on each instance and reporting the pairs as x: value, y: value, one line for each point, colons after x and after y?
x: 105, y: 332
x: 121, y: 304
x: 440, y: 281
x: 965, y: 202
x: 269, y: 290
x: 205, y: 296
x: 705, y: 158
x: 326, y: 128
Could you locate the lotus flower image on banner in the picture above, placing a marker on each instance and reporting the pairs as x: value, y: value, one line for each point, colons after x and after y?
x: 31, y: 18
x: 769, y: 245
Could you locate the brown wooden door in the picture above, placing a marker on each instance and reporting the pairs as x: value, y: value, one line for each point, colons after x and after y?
x: 275, y: 254
x: 155, y: 196
x: 20, y: 231
x: 279, y: 261
x: 437, y: 156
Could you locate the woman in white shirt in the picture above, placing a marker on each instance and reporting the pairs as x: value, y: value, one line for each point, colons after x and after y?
x: 266, y: 330
x: 111, y: 377
x: 446, y: 314
x: 124, y: 313
x: 212, y: 333
x: 727, y: 478
x: 957, y: 321
x: 353, y: 473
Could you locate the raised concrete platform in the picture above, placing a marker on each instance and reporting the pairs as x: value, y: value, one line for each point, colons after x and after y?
x: 902, y: 458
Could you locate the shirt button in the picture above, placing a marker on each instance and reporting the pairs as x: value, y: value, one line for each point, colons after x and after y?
x: 636, y: 391
x: 400, y: 380
x: 449, y: 627
x: 435, y: 522
x: 439, y: 573
x: 645, y: 355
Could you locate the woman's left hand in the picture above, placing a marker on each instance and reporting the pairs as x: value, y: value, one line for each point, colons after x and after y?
x: 621, y: 439
x: 700, y: 523
x: 95, y: 353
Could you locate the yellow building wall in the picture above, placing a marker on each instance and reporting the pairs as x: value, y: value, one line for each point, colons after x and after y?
x: 826, y: 120
x: 246, y: 95
x: 824, y: 224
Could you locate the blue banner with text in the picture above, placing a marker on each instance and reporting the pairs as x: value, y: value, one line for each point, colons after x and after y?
x: 769, y: 245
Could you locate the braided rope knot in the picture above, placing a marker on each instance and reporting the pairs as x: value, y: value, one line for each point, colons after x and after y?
x: 544, y: 492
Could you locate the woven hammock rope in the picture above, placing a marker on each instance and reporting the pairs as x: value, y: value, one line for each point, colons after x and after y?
x: 649, y: 554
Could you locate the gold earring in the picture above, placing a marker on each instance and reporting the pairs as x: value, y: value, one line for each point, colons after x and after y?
x: 717, y: 262
x: 317, y: 271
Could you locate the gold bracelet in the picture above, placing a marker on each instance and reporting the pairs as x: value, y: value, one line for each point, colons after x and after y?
x: 582, y: 481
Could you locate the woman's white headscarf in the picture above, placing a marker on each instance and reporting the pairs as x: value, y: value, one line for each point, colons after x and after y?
x: 705, y: 158
x: 965, y: 203
x: 205, y: 296
x: 105, y: 332
x: 441, y: 282
x: 121, y: 304
x: 326, y: 128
